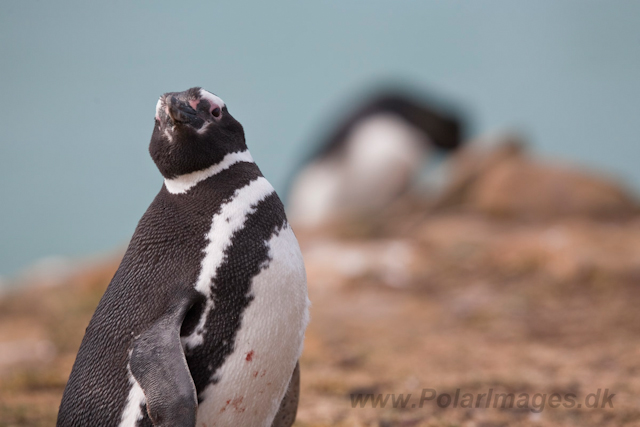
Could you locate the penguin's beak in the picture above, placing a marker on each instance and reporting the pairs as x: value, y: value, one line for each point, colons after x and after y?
x: 180, y: 112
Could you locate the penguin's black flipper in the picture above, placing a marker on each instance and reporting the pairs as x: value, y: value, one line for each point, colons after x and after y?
x: 286, y: 415
x: 159, y: 365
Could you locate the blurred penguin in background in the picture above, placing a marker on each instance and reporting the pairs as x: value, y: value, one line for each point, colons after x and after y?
x: 371, y: 159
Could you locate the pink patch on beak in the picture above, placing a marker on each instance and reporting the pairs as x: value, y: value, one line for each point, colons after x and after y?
x: 194, y: 103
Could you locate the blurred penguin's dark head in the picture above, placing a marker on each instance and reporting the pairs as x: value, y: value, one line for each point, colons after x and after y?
x: 193, y: 130
x: 444, y: 130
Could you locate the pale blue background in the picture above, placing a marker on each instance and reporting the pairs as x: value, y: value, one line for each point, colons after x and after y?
x: 80, y: 81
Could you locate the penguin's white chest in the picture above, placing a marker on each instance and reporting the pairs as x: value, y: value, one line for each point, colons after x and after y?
x: 254, y: 378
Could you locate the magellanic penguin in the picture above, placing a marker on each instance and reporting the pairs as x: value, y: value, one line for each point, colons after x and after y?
x: 204, y: 319
x: 370, y: 159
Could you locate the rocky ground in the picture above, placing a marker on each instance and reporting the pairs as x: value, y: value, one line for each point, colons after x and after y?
x: 446, y: 301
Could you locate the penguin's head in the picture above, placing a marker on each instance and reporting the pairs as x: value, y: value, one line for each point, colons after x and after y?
x: 193, y: 130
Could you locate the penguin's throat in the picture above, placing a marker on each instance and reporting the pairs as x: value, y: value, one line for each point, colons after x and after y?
x: 184, y: 183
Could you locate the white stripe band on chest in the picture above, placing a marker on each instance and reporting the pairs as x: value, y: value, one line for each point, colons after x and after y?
x: 184, y: 183
x: 224, y: 224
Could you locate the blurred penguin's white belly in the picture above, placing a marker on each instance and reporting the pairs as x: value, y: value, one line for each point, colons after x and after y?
x: 382, y: 157
x: 255, y: 377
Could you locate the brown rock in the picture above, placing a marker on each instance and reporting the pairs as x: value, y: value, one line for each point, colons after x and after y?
x: 506, y: 181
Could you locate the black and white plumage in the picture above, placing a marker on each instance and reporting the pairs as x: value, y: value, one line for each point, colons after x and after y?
x: 205, y: 317
x: 370, y: 159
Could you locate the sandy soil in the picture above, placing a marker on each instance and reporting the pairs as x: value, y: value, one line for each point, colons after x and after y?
x: 445, y: 302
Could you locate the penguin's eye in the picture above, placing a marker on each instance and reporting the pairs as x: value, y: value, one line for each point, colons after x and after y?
x: 216, y: 112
